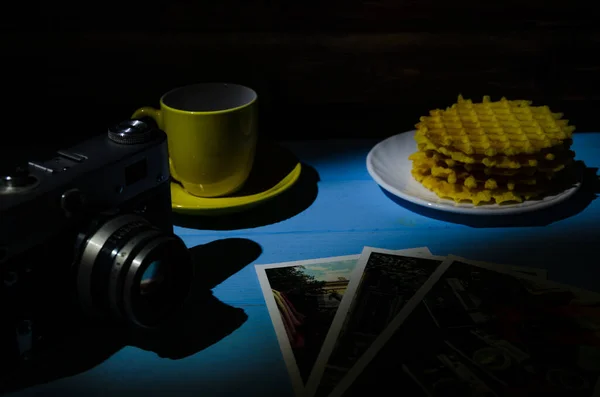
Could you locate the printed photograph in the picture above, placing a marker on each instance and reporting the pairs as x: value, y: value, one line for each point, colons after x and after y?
x: 307, y: 297
x: 481, y: 332
x: 303, y: 299
x: 387, y: 284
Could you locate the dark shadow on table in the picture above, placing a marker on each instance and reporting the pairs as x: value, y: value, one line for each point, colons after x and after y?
x: 273, y: 162
x: 203, y: 321
x: 590, y: 188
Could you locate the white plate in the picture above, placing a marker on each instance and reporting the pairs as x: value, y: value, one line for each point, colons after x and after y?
x: 389, y: 166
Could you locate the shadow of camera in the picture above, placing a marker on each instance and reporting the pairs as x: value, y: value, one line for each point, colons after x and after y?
x: 202, y: 321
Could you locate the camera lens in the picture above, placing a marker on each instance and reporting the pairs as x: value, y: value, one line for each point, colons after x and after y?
x: 133, y: 271
x: 153, y: 278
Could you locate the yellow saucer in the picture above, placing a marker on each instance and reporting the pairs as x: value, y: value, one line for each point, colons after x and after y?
x: 184, y: 203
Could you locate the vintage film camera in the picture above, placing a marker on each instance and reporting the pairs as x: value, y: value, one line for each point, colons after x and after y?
x: 86, y: 238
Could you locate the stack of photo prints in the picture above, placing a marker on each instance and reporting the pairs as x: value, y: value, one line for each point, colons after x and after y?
x: 412, y: 323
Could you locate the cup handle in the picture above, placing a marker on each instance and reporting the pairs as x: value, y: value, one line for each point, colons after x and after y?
x: 148, y: 111
x: 156, y: 115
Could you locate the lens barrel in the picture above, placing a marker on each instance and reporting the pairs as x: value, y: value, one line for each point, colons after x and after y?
x: 133, y: 271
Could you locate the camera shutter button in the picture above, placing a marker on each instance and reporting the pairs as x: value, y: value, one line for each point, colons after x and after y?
x: 131, y: 132
x: 72, y: 202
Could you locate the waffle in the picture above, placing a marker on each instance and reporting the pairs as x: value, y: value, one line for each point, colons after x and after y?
x: 461, y: 193
x: 498, y: 160
x: 546, y: 167
x: 424, y: 165
x: 492, y: 152
x: 494, y: 128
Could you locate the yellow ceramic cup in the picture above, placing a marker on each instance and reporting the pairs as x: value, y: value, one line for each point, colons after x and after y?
x: 211, y: 130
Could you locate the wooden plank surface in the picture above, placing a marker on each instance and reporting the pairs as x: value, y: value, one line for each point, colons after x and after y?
x: 315, y: 85
x: 336, y: 15
x: 336, y: 69
x: 349, y: 212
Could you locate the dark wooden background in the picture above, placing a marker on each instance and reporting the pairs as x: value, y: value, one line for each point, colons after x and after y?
x: 323, y: 69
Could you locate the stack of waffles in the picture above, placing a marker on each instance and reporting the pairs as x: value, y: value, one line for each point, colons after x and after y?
x: 492, y: 152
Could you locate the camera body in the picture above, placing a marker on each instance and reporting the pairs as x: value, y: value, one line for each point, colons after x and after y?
x: 86, y: 239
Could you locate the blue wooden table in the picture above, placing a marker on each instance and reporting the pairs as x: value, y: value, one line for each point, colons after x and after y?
x: 345, y: 210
